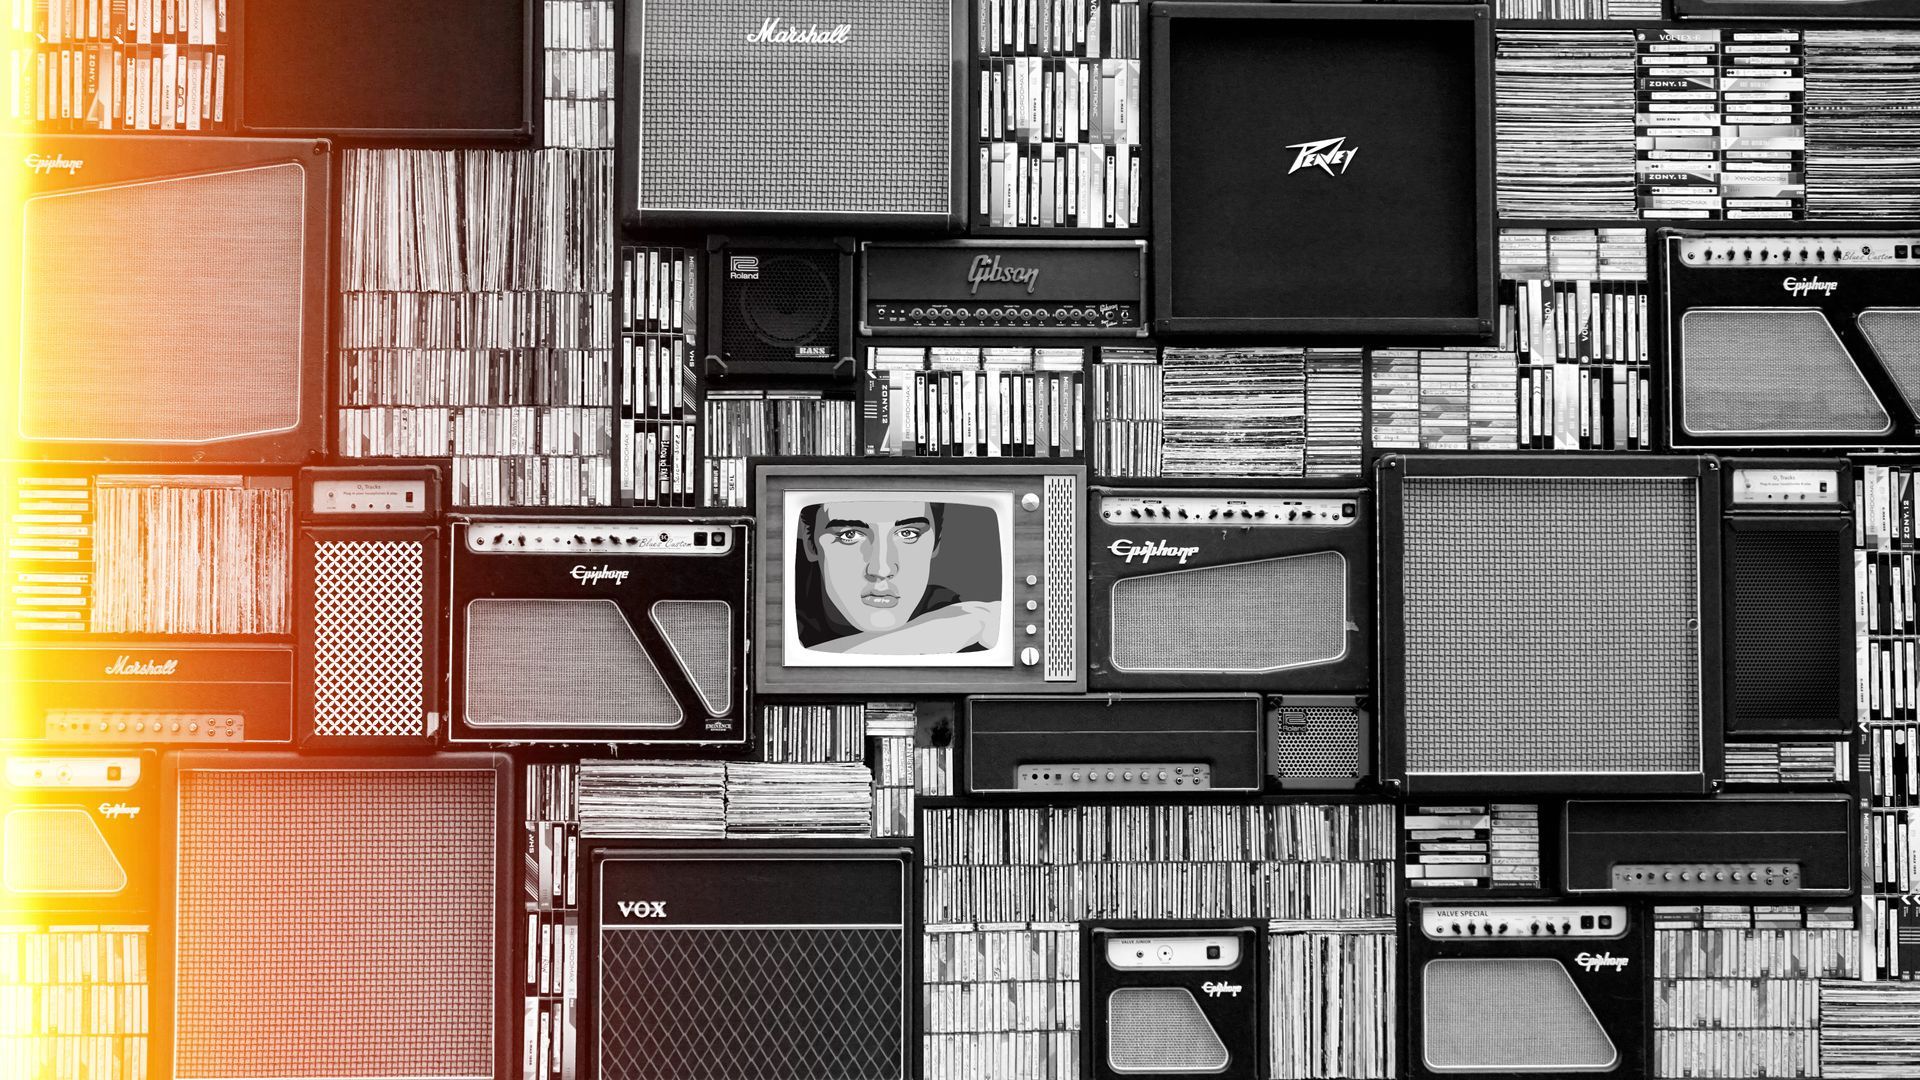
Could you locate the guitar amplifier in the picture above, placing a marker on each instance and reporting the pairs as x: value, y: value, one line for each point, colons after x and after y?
x: 1021, y: 288
x: 1139, y: 744
x: 371, y: 612
x: 78, y: 833
x: 1185, y: 1000
x: 1734, y: 845
x: 779, y: 306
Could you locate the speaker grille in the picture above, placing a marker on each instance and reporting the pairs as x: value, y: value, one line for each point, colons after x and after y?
x: 1161, y: 1029
x: 1269, y: 615
x: 369, y: 629
x: 335, y: 923
x: 1551, y: 625
x: 1894, y: 335
x: 561, y: 663
x: 1772, y: 371
x: 859, y: 127
x: 53, y: 850
x: 1315, y: 740
x: 1792, y: 624
x: 794, y: 302
x: 164, y: 312
x: 1510, y: 1015
x: 813, y: 1003
x: 700, y: 633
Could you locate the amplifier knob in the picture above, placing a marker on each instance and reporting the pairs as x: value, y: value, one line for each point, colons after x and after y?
x: 1456, y: 928
x: 1503, y: 928
x: 918, y: 313
x: 1534, y: 929
x: 1127, y: 776
x: 1163, y: 775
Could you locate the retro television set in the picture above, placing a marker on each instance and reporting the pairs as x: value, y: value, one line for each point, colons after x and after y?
x: 919, y: 578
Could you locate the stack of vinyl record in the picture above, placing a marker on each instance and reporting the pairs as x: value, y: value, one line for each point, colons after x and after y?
x: 1335, y: 401
x: 653, y: 799
x: 1863, y: 124
x: 1234, y: 412
x: 1563, y: 119
x: 831, y: 799
x: 1333, y: 992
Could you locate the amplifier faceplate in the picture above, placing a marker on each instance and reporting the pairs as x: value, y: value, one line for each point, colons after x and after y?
x: 1017, y: 287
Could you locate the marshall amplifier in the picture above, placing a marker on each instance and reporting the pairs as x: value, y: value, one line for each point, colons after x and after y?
x: 1791, y: 338
x: 599, y: 631
x: 1023, y: 288
x: 804, y: 112
x: 1145, y: 744
x: 1525, y: 990
x: 371, y: 613
x: 781, y: 307
x: 77, y: 834
x: 746, y: 963
x: 1180, y: 1000
x: 1230, y: 590
x: 1787, y: 846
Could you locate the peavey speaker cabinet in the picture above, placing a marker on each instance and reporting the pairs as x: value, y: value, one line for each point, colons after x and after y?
x: 796, y: 112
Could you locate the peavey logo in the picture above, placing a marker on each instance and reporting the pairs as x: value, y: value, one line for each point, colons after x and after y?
x: 1152, y: 549
x: 594, y: 575
x: 1215, y: 989
x: 1596, y: 961
x: 42, y: 165
x: 774, y: 32
x: 127, y: 665
x: 111, y: 810
x: 642, y: 909
x: 1324, y: 155
x: 988, y: 268
x: 1803, y: 286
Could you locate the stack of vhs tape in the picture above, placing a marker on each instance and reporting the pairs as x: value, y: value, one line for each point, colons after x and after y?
x: 1788, y: 763
x: 1128, y: 426
x: 579, y: 74
x: 892, y: 728
x: 1718, y: 122
x: 739, y: 424
x: 1473, y: 846
x: 1622, y: 10
x: 550, y: 902
x: 659, y: 387
x: 77, y: 999
x: 1563, y: 120
x: 813, y: 732
x: 969, y: 401
x: 125, y: 65
x: 1863, y: 124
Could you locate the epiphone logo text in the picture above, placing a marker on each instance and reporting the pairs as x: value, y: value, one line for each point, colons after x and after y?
x: 1215, y: 989
x: 775, y: 31
x: 642, y: 909
x: 111, y: 810
x: 127, y: 665
x: 42, y: 165
x: 988, y: 268
x: 1596, y: 961
x: 594, y: 575
x: 1152, y: 549
x: 1802, y: 286
x: 1323, y: 155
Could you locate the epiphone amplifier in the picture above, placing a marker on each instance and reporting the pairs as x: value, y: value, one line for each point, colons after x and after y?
x: 793, y: 112
x: 1786, y: 338
x: 1023, y: 288
x: 199, y: 333
x: 606, y: 630
x: 779, y: 306
x: 337, y: 918
x: 1776, y: 845
x: 1185, y: 1000
x: 78, y: 833
x: 746, y: 963
x: 1525, y: 990
x: 1230, y: 590
x: 1523, y: 649
x: 371, y: 612
x: 1146, y: 744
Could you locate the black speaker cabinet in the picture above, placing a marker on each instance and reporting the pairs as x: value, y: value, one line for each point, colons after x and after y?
x: 1323, y: 169
x: 779, y: 307
x: 1167, y: 1000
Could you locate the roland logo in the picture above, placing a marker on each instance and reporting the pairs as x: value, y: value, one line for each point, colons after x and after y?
x: 743, y: 267
x: 594, y: 575
x: 1600, y: 961
x: 1802, y: 286
x: 127, y: 665
x: 1322, y: 155
x: 1215, y: 989
x: 1151, y: 550
x: 777, y: 31
x: 642, y: 909
x: 987, y: 268
x: 111, y: 810
x: 42, y: 165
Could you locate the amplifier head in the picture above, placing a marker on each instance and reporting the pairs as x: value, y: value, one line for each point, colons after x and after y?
x: 1128, y: 744
x: 779, y: 306
x: 1175, y: 1000
x: 1019, y: 288
x: 78, y: 832
x: 1733, y: 845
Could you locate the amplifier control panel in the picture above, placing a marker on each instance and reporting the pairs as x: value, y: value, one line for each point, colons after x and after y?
x: 1203, y: 508
x: 1023, y: 316
x: 1722, y: 877
x: 1801, y: 251
x: 1523, y: 921
x: 1165, y: 777
x: 145, y: 727
x: 590, y: 538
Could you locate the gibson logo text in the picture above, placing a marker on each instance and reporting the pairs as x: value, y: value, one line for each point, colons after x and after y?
x: 42, y: 165
x: 642, y: 909
x: 127, y: 665
x: 1596, y: 961
x: 1152, y: 549
x: 1323, y: 155
x: 774, y: 32
x: 594, y: 575
x: 1215, y: 989
x: 988, y: 268
x: 1803, y: 286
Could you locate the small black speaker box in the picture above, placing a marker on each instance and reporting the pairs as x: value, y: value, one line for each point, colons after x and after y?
x: 1175, y: 1000
x: 779, y: 308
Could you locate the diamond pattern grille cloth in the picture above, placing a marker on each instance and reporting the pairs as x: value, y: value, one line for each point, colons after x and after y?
x: 369, y: 620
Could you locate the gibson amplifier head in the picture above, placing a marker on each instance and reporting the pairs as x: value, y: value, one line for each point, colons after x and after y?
x: 744, y: 963
x: 1182, y: 1000
x: 198, y: 330
x: 1145, y: 744
x: 780, y: 307
x: 919, y: 578
x: 1024, y: 288
x: 1230, y: 590
x: 77, y: 832
x: 599, y: 631
x: 1788, y: 338
x: 810, y: 112
x: 1550, y: 624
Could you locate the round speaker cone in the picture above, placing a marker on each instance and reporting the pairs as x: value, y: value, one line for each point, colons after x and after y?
x: 790, y: 304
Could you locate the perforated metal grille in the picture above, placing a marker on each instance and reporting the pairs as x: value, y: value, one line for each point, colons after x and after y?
x: 1509, y: 1015
x: 1268, y: 615
x: 794, y: 302
x: 1161, y: 1029
x: 59, y: 850
x: 1772, y: 371
x: 1319, y: 740
x: 561, y: 663
x: 369, y: 625
x: 700, y: 633
x: 1894, y: 335
x: 1551, y: 625
x: 747, y: 1004
x: 335, y: 923
x: 1792, y: 628
x: 862, y: 126
x: 183, y: 333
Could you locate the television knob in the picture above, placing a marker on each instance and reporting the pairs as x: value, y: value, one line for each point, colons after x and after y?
x: 1032, y: 580
x: 1030, y: 502
x: 1030, y: 656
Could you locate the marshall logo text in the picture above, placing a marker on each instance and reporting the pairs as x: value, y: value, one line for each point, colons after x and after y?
x: 776, y: 32
x: 127, y: 665
x: 1323, y: 155
x: 594, y: 575
x: 1152, y: 549
x: 987, y: 268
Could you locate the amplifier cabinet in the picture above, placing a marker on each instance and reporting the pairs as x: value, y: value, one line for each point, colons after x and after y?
x: 1019, y: 288
x: 1141, y: 745
x: 1230, y: 590
x: 1167, y: 1000
x: 77, y: 835
x: 599, y: 631
x: 1737, y: 846
x: 1800, y: 337
x: 1506, y: 990
x: 779, y: 306
x: 744, y: 963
